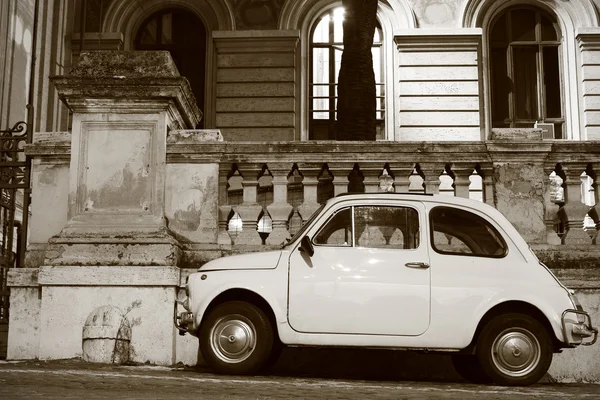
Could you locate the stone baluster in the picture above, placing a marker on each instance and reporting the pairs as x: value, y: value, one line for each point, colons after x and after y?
x: 224, y: 206
x: 593, y: 212
x: 340, y: 171
x: 486, y: 171
x: 462, y: 173
x: 575, y: 210
x: 249, y: 210
x: 402, y: 172
x: 310, y: 182
x: 551, y: 207
x: 432, y: 173
x: 371, y: 173
x: 280, y: 209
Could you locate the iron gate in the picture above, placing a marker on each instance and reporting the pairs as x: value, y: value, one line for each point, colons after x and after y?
x: 14, y: 206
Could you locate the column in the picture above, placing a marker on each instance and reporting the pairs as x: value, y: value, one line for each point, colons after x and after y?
x: 249, y: 210
x: 280, y: 209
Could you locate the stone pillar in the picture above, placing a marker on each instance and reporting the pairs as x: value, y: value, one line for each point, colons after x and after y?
x: 402, y: 172
x: 551, y: 207
x: 462, y: 173
x: 249, y: 210
x: 115, y: 248
x: 340, y: 171
x: 224, y: 206
x: 575, y: 209
x: 519, y: 182
x: 371, y: 174
x: 280, y: 209
x: 50, y: 160
x: 310, y: 182
x: 192, y: 186
x: 432, y: 177
x: 123, y: 103
x: 486, y: 171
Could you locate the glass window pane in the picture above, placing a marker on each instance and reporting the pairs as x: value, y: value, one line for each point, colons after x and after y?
x: 460, y: 232
x: 523, y: 25
x: 320, y: 63
x: 501, y: 86
x: 525, y: 82
x: 337, y: 231
x: 338, y: 25
x: 552, y: 82
x: 167, y: 29
x: 321, y: 108
x: 321, y: 34
x: 338, y: 63
x: 148, y: 35
x: 548, y: 29
x: 499, y: 31
x: 376, y: 53
x: 386, y: 227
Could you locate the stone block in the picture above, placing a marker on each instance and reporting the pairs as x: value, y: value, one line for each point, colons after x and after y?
x: 516, y: 134
x: 145, y: 296
x: 191, y: 201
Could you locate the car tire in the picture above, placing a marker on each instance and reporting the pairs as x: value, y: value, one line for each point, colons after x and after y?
x: 469, y: 368
x: 236, y: 338
x: 514, y: 350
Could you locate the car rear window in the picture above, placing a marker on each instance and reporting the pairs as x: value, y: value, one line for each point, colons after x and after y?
x: 460, y: 232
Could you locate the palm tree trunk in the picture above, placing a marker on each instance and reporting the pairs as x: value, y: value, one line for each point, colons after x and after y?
x: 356, y: 83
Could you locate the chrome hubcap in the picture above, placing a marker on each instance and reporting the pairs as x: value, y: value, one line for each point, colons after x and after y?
x: 233, y: 338
x: 516, y: 352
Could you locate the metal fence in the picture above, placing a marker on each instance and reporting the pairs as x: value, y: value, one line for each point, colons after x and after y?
x: 14, y: 203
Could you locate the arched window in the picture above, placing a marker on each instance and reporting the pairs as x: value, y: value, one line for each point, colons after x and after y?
x: 526, y: 76
x: 326, y: 56
x: 184, y: 36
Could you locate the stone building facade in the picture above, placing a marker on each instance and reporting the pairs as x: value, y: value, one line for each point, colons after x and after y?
x: 145, y: 164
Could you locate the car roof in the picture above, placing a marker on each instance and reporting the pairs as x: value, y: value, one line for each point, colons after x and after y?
x: 424, y: 197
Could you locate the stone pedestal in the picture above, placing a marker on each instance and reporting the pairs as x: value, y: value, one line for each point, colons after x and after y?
x: 106, y: 241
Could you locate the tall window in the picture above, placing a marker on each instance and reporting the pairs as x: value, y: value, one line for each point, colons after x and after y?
x: 184, y: 36
x: 326, y: 56
x: 525, y: 69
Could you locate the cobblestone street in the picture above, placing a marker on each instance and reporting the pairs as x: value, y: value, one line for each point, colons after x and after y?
x: 74, y: 379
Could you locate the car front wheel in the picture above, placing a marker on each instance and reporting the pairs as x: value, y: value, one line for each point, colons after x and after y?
x: 514, y: 349
x: 236, y: 338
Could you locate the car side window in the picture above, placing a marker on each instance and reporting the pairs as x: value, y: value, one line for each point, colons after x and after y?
x: 386, y: 227
x: 460, y: 232
x: 337, y: 231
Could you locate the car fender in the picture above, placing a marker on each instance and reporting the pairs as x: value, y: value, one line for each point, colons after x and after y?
x: 549, y: 310
x: 242, y: 281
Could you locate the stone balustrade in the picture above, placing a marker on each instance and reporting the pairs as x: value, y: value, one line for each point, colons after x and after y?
x: 543, y: 187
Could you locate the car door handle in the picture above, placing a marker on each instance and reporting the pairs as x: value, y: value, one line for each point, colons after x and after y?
x: 417, y: 265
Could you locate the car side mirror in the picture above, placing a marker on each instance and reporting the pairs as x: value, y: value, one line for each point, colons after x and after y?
x: 306, y: 246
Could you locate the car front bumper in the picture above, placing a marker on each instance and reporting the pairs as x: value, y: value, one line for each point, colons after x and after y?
x: 184, y: 321
x: 577, y: 328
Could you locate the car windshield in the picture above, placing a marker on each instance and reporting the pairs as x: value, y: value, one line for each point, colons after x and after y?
x: 304, y: 227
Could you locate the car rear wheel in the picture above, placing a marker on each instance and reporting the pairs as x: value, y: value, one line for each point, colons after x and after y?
x: 469, y: 368
x: 236, y: 338
x: 514, y: 349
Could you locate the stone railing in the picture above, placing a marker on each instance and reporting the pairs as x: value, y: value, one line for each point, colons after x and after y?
x: 266, y: 190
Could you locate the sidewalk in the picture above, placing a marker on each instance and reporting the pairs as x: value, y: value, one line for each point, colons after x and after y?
x: 75, y: 379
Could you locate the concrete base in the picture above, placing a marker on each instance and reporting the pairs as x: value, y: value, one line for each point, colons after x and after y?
x: 49, y: 309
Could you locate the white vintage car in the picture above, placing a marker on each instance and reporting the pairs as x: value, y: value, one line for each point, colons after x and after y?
x: 395, y: 271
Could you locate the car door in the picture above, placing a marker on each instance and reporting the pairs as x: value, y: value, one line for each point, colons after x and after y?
x: 369, y: 273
